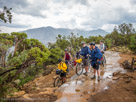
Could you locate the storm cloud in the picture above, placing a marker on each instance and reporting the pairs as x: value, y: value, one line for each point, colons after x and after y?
x: 81, y: 14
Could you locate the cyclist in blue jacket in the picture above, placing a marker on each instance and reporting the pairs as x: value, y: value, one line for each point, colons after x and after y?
x: 85, y: 51
x: 96, y: 55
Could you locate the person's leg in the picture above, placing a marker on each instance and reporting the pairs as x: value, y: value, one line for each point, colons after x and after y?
x: 94, y: 69
x: 67, y: 65
x: 64, y: 79
x: 86, y: 65
x: 86, y: 68
x: 98, y: 72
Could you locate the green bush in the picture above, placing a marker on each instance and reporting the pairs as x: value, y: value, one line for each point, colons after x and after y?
x: 24, y: 80
x: 132, y: 44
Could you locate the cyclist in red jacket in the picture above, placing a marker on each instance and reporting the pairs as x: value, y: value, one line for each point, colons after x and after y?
x: 67, y: 57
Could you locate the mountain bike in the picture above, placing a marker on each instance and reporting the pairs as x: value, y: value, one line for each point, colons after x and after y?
x: 79, y: 66
x: 103, y: 61
x: 71, y: 65
x: 58, y: 81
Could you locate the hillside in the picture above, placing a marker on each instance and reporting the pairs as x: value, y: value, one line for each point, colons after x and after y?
x: 49, y: 34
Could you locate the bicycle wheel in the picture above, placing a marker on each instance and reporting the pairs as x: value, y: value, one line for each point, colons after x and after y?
x: 104, y: 62
x: 72, y: 65
x: 58, y: 82
x: 79, y: 69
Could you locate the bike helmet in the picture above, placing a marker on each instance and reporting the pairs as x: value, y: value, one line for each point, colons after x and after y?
x: 101, y: 40
x: 66, y: 49
x: 59, y: 60
x: 92, y: 43
x: 82, y: 42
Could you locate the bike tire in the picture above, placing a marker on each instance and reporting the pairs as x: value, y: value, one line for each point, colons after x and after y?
x: 104, y: 62
x: 58, y: 82
x: 79, y: 69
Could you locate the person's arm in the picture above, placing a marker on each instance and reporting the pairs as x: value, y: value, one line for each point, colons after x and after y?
x: 64, y: 57
x: 89, y: 51
x: 59, y: 67
x: 82, y: 53
x: 70, y: 56
x: 103, y: 47
x: 64, y: 67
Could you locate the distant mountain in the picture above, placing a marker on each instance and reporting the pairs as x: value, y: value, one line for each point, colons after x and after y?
x: 49, y: 34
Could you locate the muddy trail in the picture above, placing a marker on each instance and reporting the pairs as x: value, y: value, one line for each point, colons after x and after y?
x: 79, y: 88
x: 76, y: 89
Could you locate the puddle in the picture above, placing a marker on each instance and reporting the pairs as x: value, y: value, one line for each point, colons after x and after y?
x: 106, y: 88
x: 80, y: 85
x: 107, y: 75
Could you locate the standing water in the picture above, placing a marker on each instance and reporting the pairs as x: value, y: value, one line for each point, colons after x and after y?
x: 79, y: 88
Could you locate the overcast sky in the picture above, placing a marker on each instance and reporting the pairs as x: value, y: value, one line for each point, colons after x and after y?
x: 80, y: 14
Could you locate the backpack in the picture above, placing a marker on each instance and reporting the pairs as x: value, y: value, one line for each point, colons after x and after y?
x: 66, y: 65
x: 96, y: 51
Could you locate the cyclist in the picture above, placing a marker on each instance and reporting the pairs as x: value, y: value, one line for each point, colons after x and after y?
x: 96, y: 55
x: 63, y: 68
x: 102, y: 46
x: 85, y: 51
x: 67, y: 56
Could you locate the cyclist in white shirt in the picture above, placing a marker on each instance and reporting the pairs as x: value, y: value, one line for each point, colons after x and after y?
x: 102, y: 46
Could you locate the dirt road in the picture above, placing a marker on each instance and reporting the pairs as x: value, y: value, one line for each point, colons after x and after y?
x: 82, y: 88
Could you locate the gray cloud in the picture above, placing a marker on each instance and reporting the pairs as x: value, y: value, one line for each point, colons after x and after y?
x: 14, y: 3
x: 100, y: 18
x: 90, y: 14
x: 133, y: 2
x: 14, y: 25
x: 124, y: 16
x: 24, y: 7
x: 82, y: 2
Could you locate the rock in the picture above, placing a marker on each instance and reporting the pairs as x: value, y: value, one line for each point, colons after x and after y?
x: 129, y: 80
x: 127, y: 89
x: 26, y: 96
x: 77, y: 90
x: 37, y: 88
x: 47, y: 71
x: 85, y: 92
x: 54, y: 77
x: 48, y: 91
x: 109, y: 77
x: 115, y: 73
x: 134, y: 78
x: 115, y: 78
x: 20, y: 93
x: 126, y: 64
